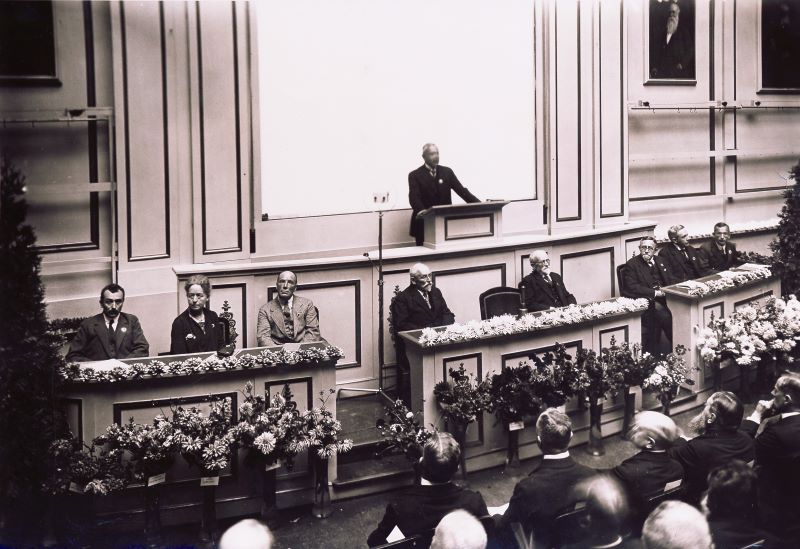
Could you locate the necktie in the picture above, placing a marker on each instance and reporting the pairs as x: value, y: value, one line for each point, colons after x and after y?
x: 112, y: 339
x: 427, y: 299
x: 288, y: 323
x: 547, y: 278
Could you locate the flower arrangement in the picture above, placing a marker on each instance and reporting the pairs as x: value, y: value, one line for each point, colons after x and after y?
x: 668, y: 375
x: 508, y: 324
x: 726, y: 280
x: 205, y: 441
x: 150, y: 447
x: 268, y: 358
x: 627, y: 366
x: 555, y: 378
x: 513, y: 395
x: 75, y: 467
x: 403, y: 431
x: 269, y: 429
x: 594, y: 374
x: 322, y: 431
x: 463, y: 399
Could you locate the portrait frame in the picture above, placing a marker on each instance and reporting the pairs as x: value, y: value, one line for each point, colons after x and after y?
x: 28, y: 27
x: 659, y: 66
x: 778, y: 66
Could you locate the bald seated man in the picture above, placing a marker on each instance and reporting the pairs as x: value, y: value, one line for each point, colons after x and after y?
x: 287, y: 318
x: 459, y: 529
x: 676, y: 525
x: 544, y: 289
x: 246, y: 534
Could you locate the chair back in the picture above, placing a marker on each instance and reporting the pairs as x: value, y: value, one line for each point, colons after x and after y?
x: 405, y: 543
x: 620, y: 278
x: 673, y: 493
x: 569, y: 526
x: 498, y: 301
x: 756, y: 544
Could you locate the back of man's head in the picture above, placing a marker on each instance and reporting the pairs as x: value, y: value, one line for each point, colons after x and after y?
x: 555, y: 431
x: 727, y: 408
x: 653, y: 431
x: 789, y: 384
x: 246, y: 534
x: 459, y: 530
x: 440, y: 457
x: 676, y: 525
x: 606, y: 508
x: 732, y: 491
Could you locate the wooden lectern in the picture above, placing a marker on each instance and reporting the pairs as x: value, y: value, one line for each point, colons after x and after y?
x: 453, y: 225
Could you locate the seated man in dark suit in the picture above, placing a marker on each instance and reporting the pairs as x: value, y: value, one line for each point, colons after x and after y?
x: 287, y: 318
x: 682, y: 259
x: 645, y: 274
x: 676, y: 525
x: 111, y: 334
x: 549, y: 489
x: 430, y: 185
x: 418, y: 509
x: 544, y: 289
x: 719, y: 253
x: 418, y: 306
x: 731, y: 507
x: 647, y: 474
x: 604, y: 524
x: 777, y: 458
x: 718, y: 441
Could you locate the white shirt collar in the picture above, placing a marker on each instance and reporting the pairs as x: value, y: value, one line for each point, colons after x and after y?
x: 789, y: 414
x: 431, y: 168
x: 562, y: 455
x: 114, y: 321
x: 288, y: 303
x: 425, y: 482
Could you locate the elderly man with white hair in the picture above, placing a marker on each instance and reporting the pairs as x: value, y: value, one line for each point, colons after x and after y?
x: 544, y: 289
x: 459, y: 530
x: 421, y: 305
x: 246, y: 534
x: 676, y: 525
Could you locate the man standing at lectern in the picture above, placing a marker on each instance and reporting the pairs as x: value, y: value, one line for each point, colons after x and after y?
x: 430, y: 185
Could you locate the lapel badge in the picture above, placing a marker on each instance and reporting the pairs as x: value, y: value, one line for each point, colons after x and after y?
x: 123, y: 329
x: 441, y: 182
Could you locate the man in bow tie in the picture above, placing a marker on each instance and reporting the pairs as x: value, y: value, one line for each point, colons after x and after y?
x: 542, y: 288
x: 111, y: 334
x: 418, y: 306
x: 430, y: 185
x: 644, y: 276
x: 287, y: 318
x: 719, y: 253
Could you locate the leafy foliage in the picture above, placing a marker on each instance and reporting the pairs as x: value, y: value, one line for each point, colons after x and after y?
x: 150, y: 447
x: 403, y: 431
x: 786, y: 247
x: 205, y: 441
x: 464, y: 398
x: 84, y: 469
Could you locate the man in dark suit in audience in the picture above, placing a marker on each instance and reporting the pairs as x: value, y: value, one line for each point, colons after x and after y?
x: 421, y: 305
x: 549, y: 489
x: 111, y: 334
x: 644, y: 276
x: 731, y: 507
x: 430, y: 185
x: 777, y: 457
x: 651, y: 471
x: 542, y: 288
x: 682, y: 259
x: 718, y: 441
x: 719, y: 253
x: 418, y: 509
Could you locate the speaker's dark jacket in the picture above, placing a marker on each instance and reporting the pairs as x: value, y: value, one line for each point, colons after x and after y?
x: 683, y: 266
x: 541, y: 295
x: 425, y: 192
x: 91, y: 341
x: 187, y: 337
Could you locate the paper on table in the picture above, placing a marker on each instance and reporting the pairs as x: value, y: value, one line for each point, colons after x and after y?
x: 292, y: 348
x: 395, y: 535
x: 104, y: 365
x: 499, y: 510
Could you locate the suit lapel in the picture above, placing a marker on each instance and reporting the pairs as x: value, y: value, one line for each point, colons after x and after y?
x: 122, y: 331
x: 277, y: 316
x: 101, y: 328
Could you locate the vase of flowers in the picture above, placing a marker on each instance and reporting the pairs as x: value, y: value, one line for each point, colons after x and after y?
x: 269, y: 430
x: 596, y: 381
x: 512, y: 399
x: 461, y: 401
x: 627, y: 369
x: 667, y: 377
x: 205, y: 442
x: 322, y: 441
x: 403, y: 433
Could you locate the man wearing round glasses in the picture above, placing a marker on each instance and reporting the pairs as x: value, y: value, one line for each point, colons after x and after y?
x: 543, y: 289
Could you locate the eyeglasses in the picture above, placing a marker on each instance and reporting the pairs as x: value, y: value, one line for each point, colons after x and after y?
x: 542, y: 262
x: 647, y: 247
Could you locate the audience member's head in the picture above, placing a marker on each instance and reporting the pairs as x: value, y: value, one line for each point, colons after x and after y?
x: 647, y: 247
x: 540, y: 261
x: 421, y: 277
x: 678, y: 235
x: 606, y: 510
x: 112, y: 297
x: 676, y: 525
x: 731, y: 491
x: 554, y: 431
x: 459, y: 530
x: 430, y: 154
x: 722, y: 233
x: 786, y: 393
x: 246, y: 534
x: 286, y: 285
x: 440, y: 457
x: 653, y: 431
x: 723, y: 411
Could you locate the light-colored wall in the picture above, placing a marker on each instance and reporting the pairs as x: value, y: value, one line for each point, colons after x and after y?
x: 182, y: 79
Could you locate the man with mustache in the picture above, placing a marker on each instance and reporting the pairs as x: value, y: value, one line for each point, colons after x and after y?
x: 718, y: 441
x: 111, y: 334
x: 683, y: 260
x: 719, y: 253
x: 672, y: 48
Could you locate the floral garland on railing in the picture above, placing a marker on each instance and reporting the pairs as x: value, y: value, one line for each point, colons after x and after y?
x: 727, y: 280
x: 508, y: 324
x: 267, y: 358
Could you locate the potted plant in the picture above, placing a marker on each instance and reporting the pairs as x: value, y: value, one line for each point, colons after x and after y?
x: 513, y: 398
x: 403, y: 433
x: 667, y: 376
x: 595, y: 381
x: 627, y: 369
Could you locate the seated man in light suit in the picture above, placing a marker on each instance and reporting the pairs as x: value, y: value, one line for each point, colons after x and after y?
x: 288, y: 318
x: 111, y: 334
x: 544, y: 289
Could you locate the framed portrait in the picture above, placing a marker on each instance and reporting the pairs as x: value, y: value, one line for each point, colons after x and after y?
x: 27, y: 44
x: 670, y: 56
x: 779, y: 46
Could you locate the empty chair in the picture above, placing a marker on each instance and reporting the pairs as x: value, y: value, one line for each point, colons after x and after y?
x: 501, y: 300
